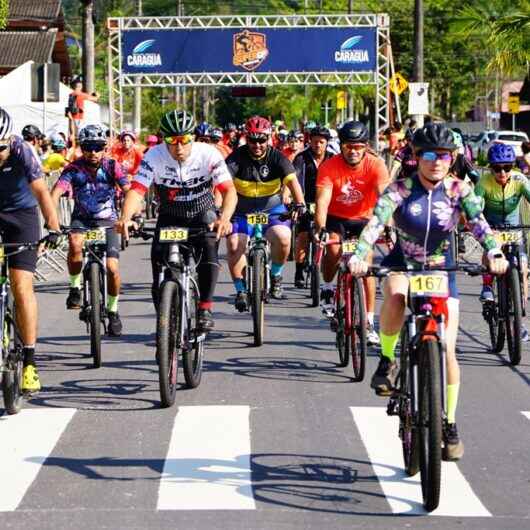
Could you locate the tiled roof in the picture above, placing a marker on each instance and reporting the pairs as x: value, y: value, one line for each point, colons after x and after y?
x: 45, y: 10
x: 17, y: 47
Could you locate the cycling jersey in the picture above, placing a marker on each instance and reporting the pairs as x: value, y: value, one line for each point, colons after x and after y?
x: 20, y: 169
x: 424, y: 219
x: 94, y: 189
x: 259, y: 181
x: 54, y: 162
x: 354, y: 188
x: 501, y: 203
x: 306, y: 172
x: 184, y: 188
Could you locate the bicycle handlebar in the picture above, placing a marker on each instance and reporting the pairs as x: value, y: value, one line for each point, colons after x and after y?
x: 471, y: 269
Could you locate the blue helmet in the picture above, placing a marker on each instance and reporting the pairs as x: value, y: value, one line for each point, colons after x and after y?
x: 203, y: 129
x: 501, y: 154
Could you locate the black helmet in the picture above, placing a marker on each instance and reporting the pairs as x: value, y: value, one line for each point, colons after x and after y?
x: 92, y: 134
x: 354, y: 131
x: 31, y: 132
x: 434, y: 136
x: 320, y: 131
x: 177, y: 123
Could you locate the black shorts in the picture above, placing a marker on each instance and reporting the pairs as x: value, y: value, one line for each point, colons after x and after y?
x: 346, y: 228
x: 21, y: 226
x: 113, y: 238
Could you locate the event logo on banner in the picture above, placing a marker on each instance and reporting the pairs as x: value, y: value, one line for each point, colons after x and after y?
x: 250, y: 49
x: 140, y: 58
x: 349, y: 53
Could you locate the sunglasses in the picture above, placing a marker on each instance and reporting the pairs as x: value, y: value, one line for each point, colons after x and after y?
x: 432, y: 156
x: 258, y: 139
x: 499, y: 168
x: 92, y: 148
x: 204, y: 140
x: 3, y: 147
x: 354, y: 147
x: 183, y: 139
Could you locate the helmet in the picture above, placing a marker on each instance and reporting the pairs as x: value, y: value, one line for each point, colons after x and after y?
x: 309, y: 125
x: 256, y: 125
x: 30, y: 132
x: 457, y: 137
x: 216, y: 133
x: 125, y: 133
x: 151, y: 139
x: 433, y: 136
x: 284, y: 133
x: 501, y: 154
x: 177, y: 123
x: 92, y: 134
x: 6, y: 124
x: 57, y: 142
x: 203, y: 129
x: 230, y: 127
x: 320, y: 131
x: 354, y: 131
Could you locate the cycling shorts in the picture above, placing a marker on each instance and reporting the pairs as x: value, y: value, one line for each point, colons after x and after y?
x: 346, y: 228
x: 113, y: 238
x: 240, y: 225
x: 21, y: 226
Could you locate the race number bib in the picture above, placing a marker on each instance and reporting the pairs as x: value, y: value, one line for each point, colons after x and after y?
x: 503, y: 238
x: 98, y: 235
x: 434, y: 284
x: 348, y: 247
x: 173, y: 235
x: 257, y: 218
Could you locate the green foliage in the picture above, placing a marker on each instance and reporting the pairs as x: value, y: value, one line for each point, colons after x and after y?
x: 4, y: 13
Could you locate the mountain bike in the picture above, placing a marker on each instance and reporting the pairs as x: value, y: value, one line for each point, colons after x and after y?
x: 311, y: 268
x: 504, y: 314
x: 177, y: 333
x: 419, y: 398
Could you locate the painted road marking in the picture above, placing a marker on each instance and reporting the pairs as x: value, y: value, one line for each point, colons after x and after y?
x: 379, y: 433
x: 526, y: 413
x: 26, y: 440
x: 208, y: 461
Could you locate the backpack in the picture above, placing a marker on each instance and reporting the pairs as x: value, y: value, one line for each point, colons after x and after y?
x: 72, y: 104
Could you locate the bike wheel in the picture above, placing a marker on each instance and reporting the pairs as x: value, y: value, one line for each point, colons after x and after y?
x: 12, y: 375
x: 192, y: 355
x: 314, y: 274
x: 168, y: 335
x: 408, y: 433
x: 340, y: 315
x: 356, y: 340
x: 257, y: 303
x: 513, y: 316
x: 95, y: 314
x: 493, y: 314
x: 430, y: 423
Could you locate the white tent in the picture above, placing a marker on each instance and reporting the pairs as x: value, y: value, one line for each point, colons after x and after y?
x: 15, y: 98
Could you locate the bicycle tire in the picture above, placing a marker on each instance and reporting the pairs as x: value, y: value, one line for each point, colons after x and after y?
x: 95, y: 314
x: 257, y: 305
x: 340, y: 335
x: 408, y: 432
x: 430, y: 423
x: 496, y: 323
x: 192, y: 356
x: 513, y: 316
x: 167, y: 341
x: 12, y: 376
x: 314, y: 274
x: 357, y: 337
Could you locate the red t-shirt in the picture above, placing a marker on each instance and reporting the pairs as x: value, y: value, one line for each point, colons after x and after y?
x: 355, y: 189
x: 80, y: 104
x: 130, y: 160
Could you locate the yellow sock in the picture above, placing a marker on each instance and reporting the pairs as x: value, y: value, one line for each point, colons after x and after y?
x: 452, y: 400
x: 388, y: 345
x: 75, y: 280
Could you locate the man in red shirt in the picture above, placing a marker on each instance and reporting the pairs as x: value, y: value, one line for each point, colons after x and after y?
x: 76, y: 105
x: 127, y: 153
x: 348, y: 186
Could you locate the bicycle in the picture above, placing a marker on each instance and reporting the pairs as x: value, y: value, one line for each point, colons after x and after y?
x: 419, y: 398
x: 11, y: 365
x: 177, y: 332
x: 311, y: 268
x: 504, y: 314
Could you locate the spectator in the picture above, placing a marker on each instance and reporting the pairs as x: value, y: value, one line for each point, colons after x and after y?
x: 76, y: 105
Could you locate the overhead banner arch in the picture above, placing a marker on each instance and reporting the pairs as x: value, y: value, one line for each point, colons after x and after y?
x: 249, y: 50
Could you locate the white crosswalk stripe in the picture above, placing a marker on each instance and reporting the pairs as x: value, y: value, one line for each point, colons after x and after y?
x: 26, y: 440
x: 526, y: 413
x: 207, y: 466
x: 379, y: 434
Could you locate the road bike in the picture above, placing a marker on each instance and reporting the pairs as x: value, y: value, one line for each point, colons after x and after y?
x: 177, y: 333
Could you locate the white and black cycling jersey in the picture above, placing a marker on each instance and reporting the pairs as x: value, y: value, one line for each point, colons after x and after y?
x: 185, y: 188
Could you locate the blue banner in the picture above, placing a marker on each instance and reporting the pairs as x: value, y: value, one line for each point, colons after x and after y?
x: 235, y: 50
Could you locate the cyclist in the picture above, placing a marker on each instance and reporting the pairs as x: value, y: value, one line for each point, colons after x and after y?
x: 22, y: 191
x: 150, y: 141
x: 259, y: 172
x: 230, y: 136
x: 462, y: 166
x: 306, y: 164
x: 347, y: 188
x: 184, y: 173
x: 425, y: 209
x: 203, y: 132
x: 405, y: 163
x: 216, y: 140
x: 502, y: 191
x: 93, y: 179
x: 295, y: 142
x: 127, y: 153
x: 57, y: 159
x: 32, y: 135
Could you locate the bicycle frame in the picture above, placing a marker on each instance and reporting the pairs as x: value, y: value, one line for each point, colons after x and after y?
x: 94, y: 253
x: 258, y: 241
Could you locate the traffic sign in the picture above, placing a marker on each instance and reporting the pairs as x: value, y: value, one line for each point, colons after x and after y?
x: 398, y: 84
x: 341, y: 100
x: 514, y: 105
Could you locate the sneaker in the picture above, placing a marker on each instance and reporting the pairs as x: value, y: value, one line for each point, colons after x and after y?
x: 299, y: 280
x: 205, y: 322
x: 486, y: 295
x: 276, y: 288
x: 372, y: 337
x: 327, y: 302
x: 241, y: 302
x: 30, y: 379
x: 115, y: 325
x: 453, y: 448
x: 525, y: 337
x: 74, y: 298
x: 384, y: 378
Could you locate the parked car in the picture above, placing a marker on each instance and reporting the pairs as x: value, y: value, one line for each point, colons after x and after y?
x: 513, y: 138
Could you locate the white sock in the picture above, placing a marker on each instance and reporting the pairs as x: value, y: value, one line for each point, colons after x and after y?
x: 370, y: 318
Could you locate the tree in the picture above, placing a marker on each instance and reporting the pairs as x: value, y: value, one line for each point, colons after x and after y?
x: 4, y: 13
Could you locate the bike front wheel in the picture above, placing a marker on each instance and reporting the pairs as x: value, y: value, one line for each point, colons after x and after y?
x: 514, y: 316
x: 95, y: 314
x: 193, y: 353
x: 356, y: 338
x: 340, y: 316
x: 257, y: 305
x: 314, y: 275
x: 12, y: 375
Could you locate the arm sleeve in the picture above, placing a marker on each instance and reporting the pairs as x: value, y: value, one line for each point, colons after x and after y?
x: 525, y: 185
x: 65, y: 180
x: 383, y: 177
x: 324, y: 177
x: 146, y: 173
x: 120, y: 176
x: 218, y: 168
x: 30, y: 162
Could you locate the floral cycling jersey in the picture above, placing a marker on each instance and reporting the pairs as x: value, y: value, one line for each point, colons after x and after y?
x: 501, y: 203
x: 424, y: 219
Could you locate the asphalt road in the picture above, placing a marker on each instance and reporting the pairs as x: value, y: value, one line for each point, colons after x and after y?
x: 274, y: 437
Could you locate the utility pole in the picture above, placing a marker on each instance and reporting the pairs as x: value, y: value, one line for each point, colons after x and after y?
x: 417, y: 72
x: 88, y: 45
x: 350, y: 96
x: 179, y: 95
x: 137, y: 109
